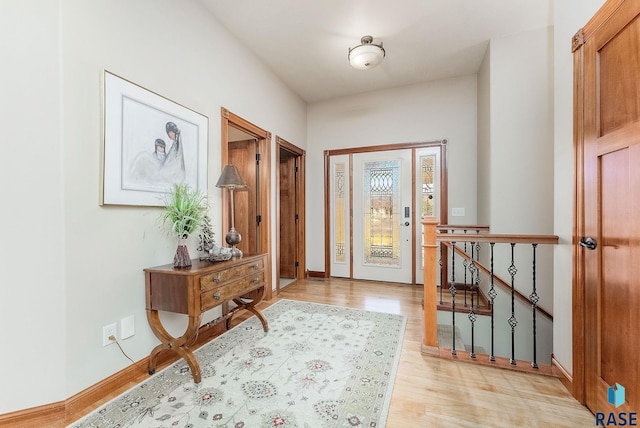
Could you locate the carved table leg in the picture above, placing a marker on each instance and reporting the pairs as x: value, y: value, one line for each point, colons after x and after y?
x: 179, y: 345
x: 256, y: 297
x: 257, y: 313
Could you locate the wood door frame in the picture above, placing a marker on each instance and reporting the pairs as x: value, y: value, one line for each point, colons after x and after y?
x: 263, y: 138
x: 444, y: 192
x: 281, y: 143
x: 579, y: 303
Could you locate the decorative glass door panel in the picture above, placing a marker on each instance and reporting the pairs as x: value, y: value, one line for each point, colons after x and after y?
x: 381, y: 200
x: 427, y: 197
x: 382, y: 216
x: 339, y: 208
x: 340, y: 212
x: 427, y: 184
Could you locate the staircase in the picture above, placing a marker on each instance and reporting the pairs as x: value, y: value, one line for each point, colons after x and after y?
x: 490, y: 320
x: 466, y: 297
x: 446, y: 335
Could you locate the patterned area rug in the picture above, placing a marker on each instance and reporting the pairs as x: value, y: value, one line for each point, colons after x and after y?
x: 318, y: 366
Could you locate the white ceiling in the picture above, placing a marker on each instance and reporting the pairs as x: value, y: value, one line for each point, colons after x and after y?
x: 305, y: 42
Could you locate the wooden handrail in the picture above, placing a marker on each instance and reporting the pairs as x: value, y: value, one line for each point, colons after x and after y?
x: 472, y: 227
x: 498, y: 239
x: 500, y: 281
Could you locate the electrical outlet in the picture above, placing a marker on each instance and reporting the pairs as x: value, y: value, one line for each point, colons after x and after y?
x: 108, y: 330
x: 457, y: 212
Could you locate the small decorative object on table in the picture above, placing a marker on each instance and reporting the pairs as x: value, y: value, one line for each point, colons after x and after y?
x: 213, y: 252
x: 184, y: 211
x: 219, y: 254
x: 207, y: 243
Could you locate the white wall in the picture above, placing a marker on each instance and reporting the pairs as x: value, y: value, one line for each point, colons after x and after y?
x: 515, y: 174
x: 74, y: 266
x: 515, y: 156
x: 521, y: 117
x: 570, y: 16
x: 424, y: 112
x: 484, y: 140
x: 32, y: 289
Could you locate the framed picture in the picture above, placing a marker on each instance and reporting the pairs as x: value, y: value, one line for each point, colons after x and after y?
x: 150, y: 144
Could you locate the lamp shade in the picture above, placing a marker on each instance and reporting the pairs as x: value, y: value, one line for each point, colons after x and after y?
x: 230, y: 178
x: 366, y: 55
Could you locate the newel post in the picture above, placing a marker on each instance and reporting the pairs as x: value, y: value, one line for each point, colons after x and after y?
x: 430, y: 304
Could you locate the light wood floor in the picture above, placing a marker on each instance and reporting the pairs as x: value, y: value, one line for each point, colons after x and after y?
x: 433, y: 392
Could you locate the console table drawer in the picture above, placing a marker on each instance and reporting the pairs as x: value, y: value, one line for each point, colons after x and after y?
x: 235, y: 289
x: 215, y: 279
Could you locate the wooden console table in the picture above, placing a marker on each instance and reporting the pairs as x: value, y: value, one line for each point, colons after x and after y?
x: 194, y: 290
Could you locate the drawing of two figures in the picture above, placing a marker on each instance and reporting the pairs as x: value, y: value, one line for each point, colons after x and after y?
x: 163, y: 167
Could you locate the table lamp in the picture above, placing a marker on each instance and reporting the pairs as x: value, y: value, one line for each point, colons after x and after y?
x: 230, y: 179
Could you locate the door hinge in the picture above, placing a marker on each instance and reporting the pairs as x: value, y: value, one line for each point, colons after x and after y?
x: 258, y: 157
x: 297, y: 263
x: 296, y: 170
x: 296, y: 217
x: 258, y: 219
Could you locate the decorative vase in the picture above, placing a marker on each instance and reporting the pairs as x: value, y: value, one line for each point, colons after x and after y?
x: 182, y: 258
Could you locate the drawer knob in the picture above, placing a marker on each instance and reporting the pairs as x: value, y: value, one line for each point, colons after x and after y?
x: 256, y: 280
x: 216, y: 278
x: 255, y: 266
x: 216, y: 296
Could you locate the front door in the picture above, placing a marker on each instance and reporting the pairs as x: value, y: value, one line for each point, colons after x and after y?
x: 375, y: 198
x: 382, y: 216
x: 611, y: 183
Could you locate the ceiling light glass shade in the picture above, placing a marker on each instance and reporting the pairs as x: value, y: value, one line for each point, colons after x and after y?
x: 367, y: 55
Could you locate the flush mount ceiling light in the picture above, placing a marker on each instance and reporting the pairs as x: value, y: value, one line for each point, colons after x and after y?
x: 366, y: 55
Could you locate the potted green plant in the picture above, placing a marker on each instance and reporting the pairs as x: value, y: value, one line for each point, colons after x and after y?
x: 184, y: 212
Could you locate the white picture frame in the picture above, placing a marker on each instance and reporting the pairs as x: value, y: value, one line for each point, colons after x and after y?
x: 150, y: 143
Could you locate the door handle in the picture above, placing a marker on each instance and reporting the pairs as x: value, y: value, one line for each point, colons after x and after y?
x: 588, y: 242
x: 406, y: 223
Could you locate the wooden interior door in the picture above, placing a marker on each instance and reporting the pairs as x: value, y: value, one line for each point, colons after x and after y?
x: 248, y: 147
x: 608, y: 138
x: 288, y: 213
x: 290, y: 186
x: 242, y: 154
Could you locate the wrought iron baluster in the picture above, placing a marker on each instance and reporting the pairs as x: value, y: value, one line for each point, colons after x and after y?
x: 513, y: 322
x: 472, y: 313
x: 534, y: 304
x: 464, y: 264
x: 492, y: 297
x: 476, y: 289
x: 441, y: 263
x: 477, y: 283
x: 452, y: 290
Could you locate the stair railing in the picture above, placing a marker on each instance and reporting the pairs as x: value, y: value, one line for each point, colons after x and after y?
x: 444, y: 259
x: 454, y: 244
